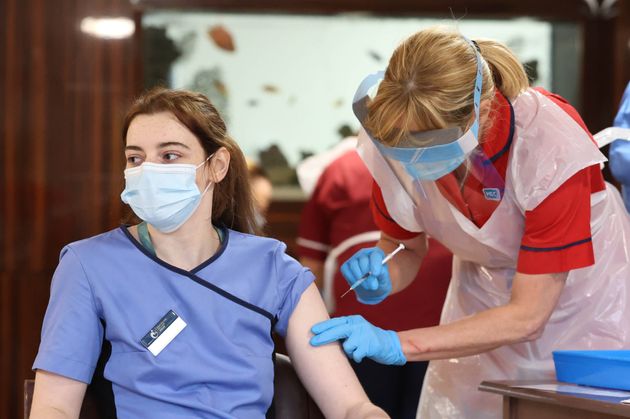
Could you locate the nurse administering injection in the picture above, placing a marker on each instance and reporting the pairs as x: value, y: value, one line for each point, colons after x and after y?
x: 507, y: 177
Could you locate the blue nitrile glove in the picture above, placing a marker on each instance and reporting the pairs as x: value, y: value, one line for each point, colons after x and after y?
x: 378, y: 285
x: 619, y: 153
x: 361, y: 339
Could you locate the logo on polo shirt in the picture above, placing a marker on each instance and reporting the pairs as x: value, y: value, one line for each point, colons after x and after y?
x: 492, y: 194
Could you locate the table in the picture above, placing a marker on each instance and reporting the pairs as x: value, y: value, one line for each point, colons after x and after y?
x: 553, y: 399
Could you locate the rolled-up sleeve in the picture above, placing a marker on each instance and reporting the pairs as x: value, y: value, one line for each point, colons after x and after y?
x: 557, y: 235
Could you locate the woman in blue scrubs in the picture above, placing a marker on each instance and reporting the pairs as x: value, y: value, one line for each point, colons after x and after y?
x: 184, y: 302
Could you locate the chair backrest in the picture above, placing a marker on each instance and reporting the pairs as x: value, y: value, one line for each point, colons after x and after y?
x: 29, y: 386
x: 290, y: 400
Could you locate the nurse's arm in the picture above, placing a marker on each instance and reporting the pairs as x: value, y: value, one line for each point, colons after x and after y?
x: 404, y: 267
x: 522, y: 319
x: 56, y: 397
x: 325, y: 370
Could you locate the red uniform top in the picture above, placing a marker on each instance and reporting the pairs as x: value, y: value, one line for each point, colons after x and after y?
x: 338, y: 210
x: 557, y: 236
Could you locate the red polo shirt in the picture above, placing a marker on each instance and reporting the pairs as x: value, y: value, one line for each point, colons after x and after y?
x: 557, y: 235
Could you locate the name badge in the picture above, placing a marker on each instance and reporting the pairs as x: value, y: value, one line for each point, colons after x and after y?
x: 163, y: 332
x: 492, y: 194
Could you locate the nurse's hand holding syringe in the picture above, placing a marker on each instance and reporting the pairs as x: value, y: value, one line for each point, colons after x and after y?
x: 370, y: 253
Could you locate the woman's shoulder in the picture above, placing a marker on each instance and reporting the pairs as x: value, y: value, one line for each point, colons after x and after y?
x: 537, y: 105
x: 546, y: 121
x: 527, y: 106
x: 99, y: 244
x: 255, y: 243
x: 249, y: 238
x: 549, y: 147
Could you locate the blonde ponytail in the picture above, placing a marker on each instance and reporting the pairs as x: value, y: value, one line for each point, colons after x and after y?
x: 507, y: 71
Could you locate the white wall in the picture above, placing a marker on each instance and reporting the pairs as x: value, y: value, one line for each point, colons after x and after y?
x: 316, y: 62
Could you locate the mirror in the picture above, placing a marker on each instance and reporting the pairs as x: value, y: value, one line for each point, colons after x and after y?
x: 284, y: 83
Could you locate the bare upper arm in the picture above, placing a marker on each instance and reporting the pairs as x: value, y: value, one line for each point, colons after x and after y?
x: 56, y: 396
x: 325, y: 370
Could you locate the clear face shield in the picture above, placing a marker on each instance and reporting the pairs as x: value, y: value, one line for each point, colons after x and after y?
x: 449, y: 151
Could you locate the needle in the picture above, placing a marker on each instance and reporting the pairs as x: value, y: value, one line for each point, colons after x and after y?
x: 365, y: 276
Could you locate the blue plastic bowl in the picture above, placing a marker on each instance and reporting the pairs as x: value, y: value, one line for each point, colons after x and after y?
x: 608, y: 369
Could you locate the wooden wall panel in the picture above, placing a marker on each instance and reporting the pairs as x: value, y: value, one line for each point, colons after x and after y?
x: 283, y: 219
x: 563, y: 9
x: 621, y: 63
x: 62, y: 94
x: 598, y: 106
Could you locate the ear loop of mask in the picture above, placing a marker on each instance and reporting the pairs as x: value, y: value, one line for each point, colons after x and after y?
x: 211, y: 181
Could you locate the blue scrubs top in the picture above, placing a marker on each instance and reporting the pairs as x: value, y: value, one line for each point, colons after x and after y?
x: 220, y: 365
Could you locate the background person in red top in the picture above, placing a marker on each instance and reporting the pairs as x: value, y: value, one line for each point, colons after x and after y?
x: 336, y: 222
x: 506, y: 177
x: 262, y: 192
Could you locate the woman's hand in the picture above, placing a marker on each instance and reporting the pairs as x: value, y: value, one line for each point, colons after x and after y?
x: 387, y: 279
x: 361, y: 339
x: 377, y: 286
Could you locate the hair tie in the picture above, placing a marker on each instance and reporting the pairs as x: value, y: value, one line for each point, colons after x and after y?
x: 476, y: 46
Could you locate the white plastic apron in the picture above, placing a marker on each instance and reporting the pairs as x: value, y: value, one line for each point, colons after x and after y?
x: 593, y: 311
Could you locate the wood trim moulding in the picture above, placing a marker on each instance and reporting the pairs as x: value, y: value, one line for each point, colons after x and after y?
x: 555, y: 10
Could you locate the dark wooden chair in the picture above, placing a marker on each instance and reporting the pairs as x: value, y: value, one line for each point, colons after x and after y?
x: 290, y: 400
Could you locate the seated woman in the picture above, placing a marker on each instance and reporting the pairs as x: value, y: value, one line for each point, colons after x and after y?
x: 187, y: 299
x: 262, y: 192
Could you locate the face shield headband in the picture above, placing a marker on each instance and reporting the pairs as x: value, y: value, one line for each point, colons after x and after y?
x: 451, y: 148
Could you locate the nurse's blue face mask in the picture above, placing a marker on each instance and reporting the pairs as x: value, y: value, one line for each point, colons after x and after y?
x: 163, y: 195
x: 449, y: 148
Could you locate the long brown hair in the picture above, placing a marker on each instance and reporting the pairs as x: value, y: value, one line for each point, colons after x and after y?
x: 429, y: 83
x: 232, y: 204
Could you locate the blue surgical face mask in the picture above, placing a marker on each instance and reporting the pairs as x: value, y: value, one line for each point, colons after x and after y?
x: 163, y: 195
x: 433, y: 170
